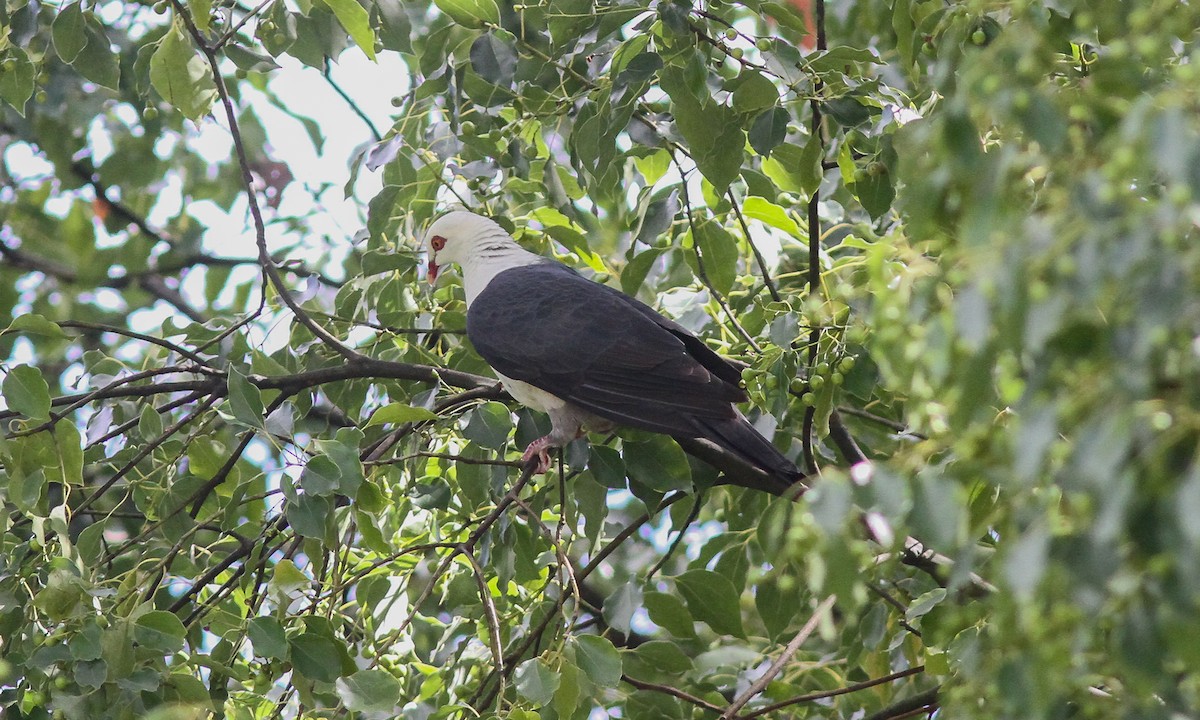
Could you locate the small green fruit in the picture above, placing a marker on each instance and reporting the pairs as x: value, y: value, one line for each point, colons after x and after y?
x: 816, y: 382
x: 150, y: 112
x: 798, y: 385
x: 731, y: 34
x: 979, y: 37
x: 765, y: 44
x: 808, y: 399
x: 737, y: 53
x: 467, y: 129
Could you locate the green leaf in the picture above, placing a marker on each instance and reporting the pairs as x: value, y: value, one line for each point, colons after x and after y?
x: 249, y: 60
x: 796, y: 169
x: 924, y: 604
x: 160, y: 630
x: 97, y: 61
x: 150, y: 423
x: 375, y: 691
x: 267, y: 637
x: 357, y: 22
x: 205, y: 457
x: 770, y: 214
x: 719, y: 251
x: 755, y: 92
x: 91, y: 673
x: 712, y: 599
x: 28, y: 490
x: 310, y: 515
x: 471, y: 13
x: 181, y: 76
x: 396, y: 413
x: 664, y: 656
x: 60, y: 596
x: 488, y: 425
x: 85, y: 645
x: 635, y: 272
x: 657, y: 463
x: 315, y: 656
x: 34, y: 324
x: 90, y: 542
x: 874, y: 189
x: 342, y: 451
x: 201, y: 12
x: 768, y: 130
x: 570, y: 689
x: 26, y: 392
x: 776, y: 607
x: 598, y: 659
x: 607, y: 467
x: 16, y: 84
x: 536, y: 682
x: 245, y: 400
x: 621, y: 605
x: 713, y: 133
x: 287, y: 579
x: 668, y: 612
x: 321, y: 476
x: 69, y: 446
x: 494, y: 59
x: 69, y: 32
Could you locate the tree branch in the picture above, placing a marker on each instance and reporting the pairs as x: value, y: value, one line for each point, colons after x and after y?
x: 784, y: 658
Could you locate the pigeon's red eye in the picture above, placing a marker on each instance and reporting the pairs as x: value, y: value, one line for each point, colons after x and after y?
x: 438, y: 242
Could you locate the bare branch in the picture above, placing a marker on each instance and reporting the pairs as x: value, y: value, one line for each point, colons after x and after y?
x: 673, y: 692
x: 920, y: 701
x: 856, y: 687
x: 784, y: 658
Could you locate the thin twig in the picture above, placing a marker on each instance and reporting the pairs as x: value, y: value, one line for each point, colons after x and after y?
x: 700, y: 271
x: 758, y: 256
x: 856, y: 687
x: 673, y: 692
x: 917, y: 702
x: 489, y: 611
x: 691, y: 518
x: 260, y: 231
x: 350, y: 102
x: 784, y: 658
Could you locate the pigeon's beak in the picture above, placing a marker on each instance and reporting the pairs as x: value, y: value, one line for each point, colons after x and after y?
x: 432, y: 273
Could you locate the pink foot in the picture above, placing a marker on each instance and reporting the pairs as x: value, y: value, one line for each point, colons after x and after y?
x: 541, y: 449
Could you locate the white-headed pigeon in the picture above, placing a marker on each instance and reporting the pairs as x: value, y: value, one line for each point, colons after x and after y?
x: 590, y: 356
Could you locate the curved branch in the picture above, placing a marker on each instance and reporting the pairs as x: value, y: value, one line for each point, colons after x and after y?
x: 260, y: 231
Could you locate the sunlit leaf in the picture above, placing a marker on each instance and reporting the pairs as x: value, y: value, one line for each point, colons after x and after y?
x: 181, y: 76
x: 26, y: 392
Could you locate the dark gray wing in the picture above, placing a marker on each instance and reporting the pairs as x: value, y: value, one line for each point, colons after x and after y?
x: 600, y: 350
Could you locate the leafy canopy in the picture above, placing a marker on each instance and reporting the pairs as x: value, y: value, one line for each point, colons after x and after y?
x: 250, y: 468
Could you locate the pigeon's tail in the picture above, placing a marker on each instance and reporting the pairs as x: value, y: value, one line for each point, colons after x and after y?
x: 738, y: 436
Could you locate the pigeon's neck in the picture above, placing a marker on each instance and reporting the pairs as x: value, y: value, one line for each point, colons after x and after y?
x: 492, y: 256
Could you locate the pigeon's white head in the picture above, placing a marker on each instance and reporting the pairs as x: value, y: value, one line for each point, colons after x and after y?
x: 459, y: 236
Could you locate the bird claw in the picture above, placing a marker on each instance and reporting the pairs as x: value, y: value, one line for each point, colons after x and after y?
x: 539, y: 448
